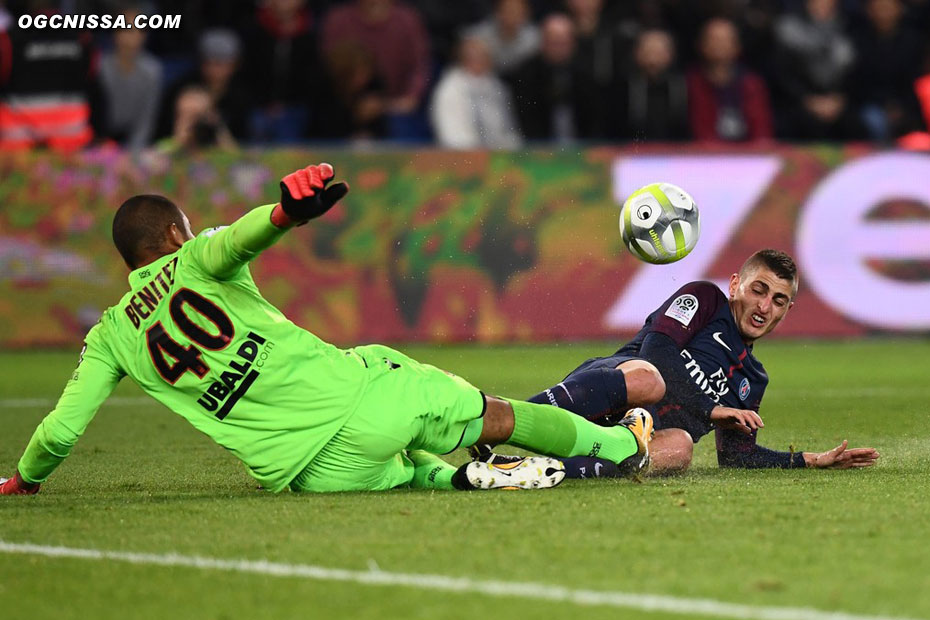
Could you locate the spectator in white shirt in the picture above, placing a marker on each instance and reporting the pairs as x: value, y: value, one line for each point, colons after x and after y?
x: 471, y: 106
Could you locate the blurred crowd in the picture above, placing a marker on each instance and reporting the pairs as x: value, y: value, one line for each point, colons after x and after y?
x: 468, y: 73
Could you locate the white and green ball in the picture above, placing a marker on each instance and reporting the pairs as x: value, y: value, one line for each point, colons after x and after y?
x: 660, y: 223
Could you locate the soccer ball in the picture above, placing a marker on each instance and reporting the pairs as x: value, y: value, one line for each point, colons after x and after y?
x: 660, y: 223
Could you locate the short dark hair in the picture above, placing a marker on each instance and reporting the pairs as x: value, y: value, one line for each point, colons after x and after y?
x: 780, y: 263
x: 139, y: 224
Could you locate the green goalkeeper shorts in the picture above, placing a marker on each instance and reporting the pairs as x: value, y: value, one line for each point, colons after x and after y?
x: 406, y: 405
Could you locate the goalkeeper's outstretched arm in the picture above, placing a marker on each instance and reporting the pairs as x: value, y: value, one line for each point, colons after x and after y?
x: 305, y: 194
x: 91, y: 383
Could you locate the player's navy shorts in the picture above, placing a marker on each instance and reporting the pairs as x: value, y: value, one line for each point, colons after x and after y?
x: 663, y: 414
x: 605, y: 395
x: 611, y: 361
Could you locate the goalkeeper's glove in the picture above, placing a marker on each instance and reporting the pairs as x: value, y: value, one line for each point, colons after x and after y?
x: 17, y: 486
x: 305, y: 195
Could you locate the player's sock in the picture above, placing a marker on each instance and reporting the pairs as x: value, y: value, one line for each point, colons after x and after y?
x: 552, y: 431
x: 430, y: 471
x: 593, y: 394
x: 589, y: 467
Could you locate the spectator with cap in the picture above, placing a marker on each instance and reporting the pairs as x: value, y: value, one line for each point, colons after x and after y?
x: 131, y: 84
x: 395, y: 36
x: 509, y: 33
x: 220, y: 54
x: 556, y: 98
x: 471, y: 106
x: 651, y: 101
x: 218, y: 73
x: 814, y: 59
x: 726, y: 101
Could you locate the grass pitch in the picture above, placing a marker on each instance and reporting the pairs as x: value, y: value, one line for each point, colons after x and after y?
x: 142, y: 480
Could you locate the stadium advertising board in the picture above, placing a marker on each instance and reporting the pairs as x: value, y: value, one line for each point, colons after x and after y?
x: 446, y: 246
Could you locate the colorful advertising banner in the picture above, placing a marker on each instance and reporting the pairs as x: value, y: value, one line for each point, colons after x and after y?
x: 490, y: 247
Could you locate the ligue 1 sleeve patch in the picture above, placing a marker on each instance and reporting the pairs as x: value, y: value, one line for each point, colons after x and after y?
x: 683, y: 308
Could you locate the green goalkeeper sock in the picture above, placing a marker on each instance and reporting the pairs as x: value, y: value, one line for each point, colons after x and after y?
x: 430, y: 471
x: 556, y: 432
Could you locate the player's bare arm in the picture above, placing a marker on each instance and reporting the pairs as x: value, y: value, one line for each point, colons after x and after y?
x: 842, y: 458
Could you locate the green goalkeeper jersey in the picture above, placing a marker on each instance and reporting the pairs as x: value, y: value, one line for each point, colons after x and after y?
x: 196, y: 335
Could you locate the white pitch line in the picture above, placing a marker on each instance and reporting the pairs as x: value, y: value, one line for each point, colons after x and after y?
x: 444, y: 583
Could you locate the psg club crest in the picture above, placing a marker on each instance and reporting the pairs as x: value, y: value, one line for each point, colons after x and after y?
x: 744, y: 389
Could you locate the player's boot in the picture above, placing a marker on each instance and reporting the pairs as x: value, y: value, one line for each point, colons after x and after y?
x: 530, y: 472
x: 639, y: 421
x: 484, y: 452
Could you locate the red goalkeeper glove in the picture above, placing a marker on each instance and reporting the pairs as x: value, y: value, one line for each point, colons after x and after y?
x: 17, y: 486
x: 305, y: 195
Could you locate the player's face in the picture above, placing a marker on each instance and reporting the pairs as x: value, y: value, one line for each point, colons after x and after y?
x: 759, y: 301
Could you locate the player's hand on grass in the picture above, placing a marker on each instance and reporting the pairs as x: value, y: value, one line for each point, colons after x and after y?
x: 306, y: 194
x: 841, y: 458
x: 17, y: 486
x: 743, y: 420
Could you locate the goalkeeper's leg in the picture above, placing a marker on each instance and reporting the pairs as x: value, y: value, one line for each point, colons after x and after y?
x: 530, y: 472
x: 549, y: 430
x: 430, y: 471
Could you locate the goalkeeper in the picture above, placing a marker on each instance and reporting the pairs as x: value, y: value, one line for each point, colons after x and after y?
x: 195, y: 334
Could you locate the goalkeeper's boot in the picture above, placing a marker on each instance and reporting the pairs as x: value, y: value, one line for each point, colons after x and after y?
x: 639, y: 422
x: 484, y: 452
x: 529, y: 472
